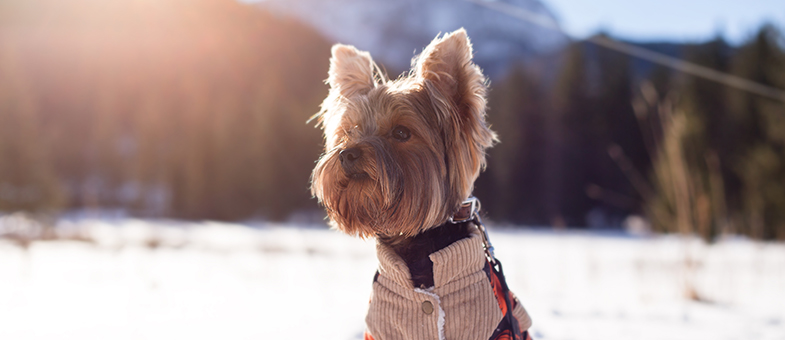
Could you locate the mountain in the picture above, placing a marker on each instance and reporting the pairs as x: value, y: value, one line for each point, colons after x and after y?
x: 395, y: 31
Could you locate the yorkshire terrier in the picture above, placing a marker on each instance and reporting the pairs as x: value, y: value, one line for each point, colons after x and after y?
x: 401, y: 157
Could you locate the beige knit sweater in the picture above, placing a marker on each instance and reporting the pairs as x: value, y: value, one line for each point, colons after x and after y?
x: 461, y: 305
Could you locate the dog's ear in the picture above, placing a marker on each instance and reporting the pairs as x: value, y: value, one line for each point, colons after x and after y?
x: 458, y: 88
x: 447, y: 65
x: 351, y: 71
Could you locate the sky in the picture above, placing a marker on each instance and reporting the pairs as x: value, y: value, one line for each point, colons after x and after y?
x: 668, y: 20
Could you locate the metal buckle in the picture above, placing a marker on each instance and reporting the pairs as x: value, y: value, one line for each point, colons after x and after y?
x: 472, y: 204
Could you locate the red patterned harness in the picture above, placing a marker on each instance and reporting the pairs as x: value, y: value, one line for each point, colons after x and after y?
x: 509, y: 328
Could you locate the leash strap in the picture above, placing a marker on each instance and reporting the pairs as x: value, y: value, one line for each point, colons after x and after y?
x: 470, y: 212
x: 508, y: 328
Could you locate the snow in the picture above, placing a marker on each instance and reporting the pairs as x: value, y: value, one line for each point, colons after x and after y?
x: 152, y: 279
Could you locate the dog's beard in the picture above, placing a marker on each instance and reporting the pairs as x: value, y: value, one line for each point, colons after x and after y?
x: 389, y: 192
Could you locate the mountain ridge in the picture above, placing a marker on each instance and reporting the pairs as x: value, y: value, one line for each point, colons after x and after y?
x: 395, y: 31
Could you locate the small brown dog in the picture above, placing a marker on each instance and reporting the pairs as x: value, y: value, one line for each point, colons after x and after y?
x: 401, y: 156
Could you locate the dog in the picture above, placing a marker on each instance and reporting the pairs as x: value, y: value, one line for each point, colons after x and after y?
x: 399, y: 164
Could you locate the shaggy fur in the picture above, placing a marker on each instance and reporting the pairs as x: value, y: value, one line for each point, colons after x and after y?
x: 401, y: 155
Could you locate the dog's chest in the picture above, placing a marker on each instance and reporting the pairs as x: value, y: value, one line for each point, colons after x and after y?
x: 461, y: 305
x: 466, y: 309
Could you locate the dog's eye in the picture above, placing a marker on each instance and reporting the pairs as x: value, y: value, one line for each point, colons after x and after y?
x: 401, y: 133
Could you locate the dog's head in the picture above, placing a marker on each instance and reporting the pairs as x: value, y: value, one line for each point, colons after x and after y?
x: 401, y: 155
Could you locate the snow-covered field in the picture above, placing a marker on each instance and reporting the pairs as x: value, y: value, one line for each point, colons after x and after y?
x: 136, y: 279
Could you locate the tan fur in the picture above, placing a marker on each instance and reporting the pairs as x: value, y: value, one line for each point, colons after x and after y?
x: 407, y: 186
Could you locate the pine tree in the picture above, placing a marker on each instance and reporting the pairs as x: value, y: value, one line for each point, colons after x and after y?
x: 617, y: 130
x: 758, y: 150
x: 574, y: 129
x: 517, y: 115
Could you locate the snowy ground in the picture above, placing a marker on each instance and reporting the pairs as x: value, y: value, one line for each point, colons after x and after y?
x: 135, y: 279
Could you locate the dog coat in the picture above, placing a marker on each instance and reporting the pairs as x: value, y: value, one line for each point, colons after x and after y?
x: 469, y: 300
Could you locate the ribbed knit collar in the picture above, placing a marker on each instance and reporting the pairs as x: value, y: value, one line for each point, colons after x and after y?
x: 455, y: 261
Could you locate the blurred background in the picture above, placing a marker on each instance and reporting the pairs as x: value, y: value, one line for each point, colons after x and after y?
x: 155, y: 162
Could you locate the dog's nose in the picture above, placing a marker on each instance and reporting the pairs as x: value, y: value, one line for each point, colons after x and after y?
x: 349, y: 157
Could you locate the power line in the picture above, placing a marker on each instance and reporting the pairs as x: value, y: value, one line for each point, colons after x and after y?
x: 642, y: 53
